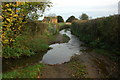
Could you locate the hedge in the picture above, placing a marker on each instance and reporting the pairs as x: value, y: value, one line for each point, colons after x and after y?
x: 99, y: 33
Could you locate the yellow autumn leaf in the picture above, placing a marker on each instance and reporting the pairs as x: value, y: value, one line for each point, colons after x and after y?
x: 20, y: 19
x: 8, y: 19
x: 7, y: 5
x: 19, y: 28
x: 11, y: 40
x: 16, y: 15
x: 19, y: 3
x: 11, y: 17
x: 13, y: 5
x: 1, y: 17
x: 9, y: 9
x: 5, y: 41
x: 10, y: 14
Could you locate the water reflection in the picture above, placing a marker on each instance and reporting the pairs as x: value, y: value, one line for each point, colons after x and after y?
x: 63, y: 52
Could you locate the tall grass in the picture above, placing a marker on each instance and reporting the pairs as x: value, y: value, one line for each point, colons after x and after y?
x: 32, y: 71
x: 33, y: 39
x: 35, y: 27
x: 99, y: 33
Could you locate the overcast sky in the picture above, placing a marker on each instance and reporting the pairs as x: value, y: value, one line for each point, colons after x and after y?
x: 94, y: 8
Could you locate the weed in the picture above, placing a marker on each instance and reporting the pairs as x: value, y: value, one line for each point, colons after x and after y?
x: 32, y: 71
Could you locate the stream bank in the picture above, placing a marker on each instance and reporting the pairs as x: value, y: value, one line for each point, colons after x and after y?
x: 11, y: 64
x: 86, y: 65
x: 81, y: 63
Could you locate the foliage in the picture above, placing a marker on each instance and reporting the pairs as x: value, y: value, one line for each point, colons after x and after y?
x: 60, y: 19
x: 61, y: 24
x: 75, y: 64
x: 15, y: 52
x: 18, y: 49
x: 34, y: 39
x: 32, y: 71
x: 12, y: 22
x: 99, y: 33
x: 84, y: 17
x: 35, y: 27
x: 71, y: 18
x: 34, y: 16
x: 53, y: 28
x: 37, y: 45
x: 112, y: 55
x: 15, y: 16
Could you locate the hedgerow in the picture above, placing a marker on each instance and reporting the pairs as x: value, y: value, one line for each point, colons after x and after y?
x: 99, y: 33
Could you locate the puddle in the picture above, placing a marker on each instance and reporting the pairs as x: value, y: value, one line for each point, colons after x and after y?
x: 63, y: 52
x: 59, y: 54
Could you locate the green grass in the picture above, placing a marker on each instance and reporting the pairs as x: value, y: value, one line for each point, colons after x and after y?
x: 32, y: 71
x: 33, y: 39
x: 112, y: 55
x: 80, y: 71
x: 53, y: 28
x: 100, y: 51
x: 61, y: 24
x: 38, y: 45
x: 65, y: 38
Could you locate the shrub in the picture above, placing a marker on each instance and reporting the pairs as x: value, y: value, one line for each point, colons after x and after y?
x: 53, y: 28
x: 102, y: 32
x: 37, y: 45
x: 15, y: 52
x: 35, y: 27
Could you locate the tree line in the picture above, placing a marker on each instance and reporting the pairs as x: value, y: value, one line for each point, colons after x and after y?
x: 71, y: 18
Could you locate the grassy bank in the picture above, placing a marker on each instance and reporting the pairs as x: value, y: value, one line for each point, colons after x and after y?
x: 32, y: 39
x: 35, y: 37
x: 114, y: 56
x: 36, y: 41
x: 32, y: 71
x: 101, y: 33
x: 79, y: 70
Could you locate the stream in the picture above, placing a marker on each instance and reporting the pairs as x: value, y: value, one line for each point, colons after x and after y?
x: 60, y: 53
x: 97, y: 66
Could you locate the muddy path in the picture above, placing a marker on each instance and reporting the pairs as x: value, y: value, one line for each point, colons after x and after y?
x: 56, y: 71
x: 98, y: 66
x: 71, y: 60
x: 95, y: 66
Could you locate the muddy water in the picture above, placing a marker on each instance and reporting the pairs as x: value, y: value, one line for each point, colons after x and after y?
x: 59, y: 54
x: 62, y: 53
x: 11, y: 64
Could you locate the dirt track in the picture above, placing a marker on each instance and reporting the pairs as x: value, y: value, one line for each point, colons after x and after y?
x: 96, y: 66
